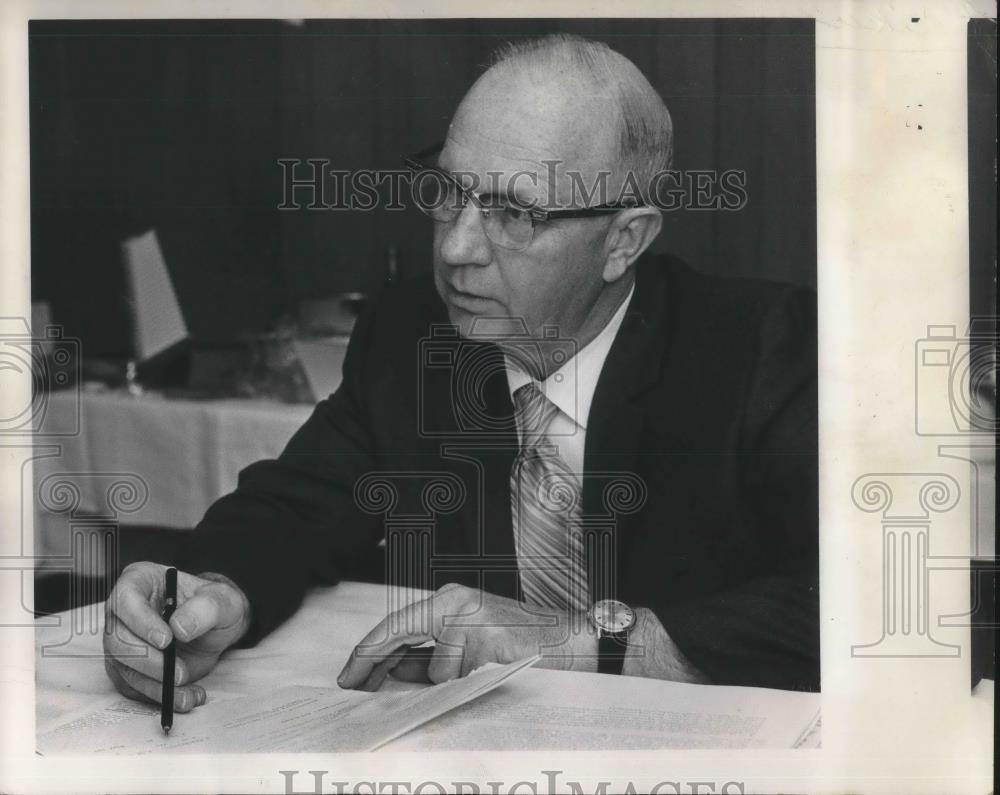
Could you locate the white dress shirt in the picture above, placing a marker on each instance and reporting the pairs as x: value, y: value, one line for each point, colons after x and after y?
x: 571, y: 389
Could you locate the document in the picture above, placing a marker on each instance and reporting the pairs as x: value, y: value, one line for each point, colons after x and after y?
x: 537, y: 709
x: 582, y: 711
x: 289, y: 719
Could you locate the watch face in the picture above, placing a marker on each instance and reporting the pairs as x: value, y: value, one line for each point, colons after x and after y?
x: 610, y: 615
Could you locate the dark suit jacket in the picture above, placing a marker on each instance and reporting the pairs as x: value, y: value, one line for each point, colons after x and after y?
x: 700, y: 487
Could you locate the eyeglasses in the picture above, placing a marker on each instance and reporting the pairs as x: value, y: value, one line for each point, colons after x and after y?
x: 508, y: 223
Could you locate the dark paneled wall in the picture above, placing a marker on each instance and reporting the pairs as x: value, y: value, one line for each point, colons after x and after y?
x: 180, y: 126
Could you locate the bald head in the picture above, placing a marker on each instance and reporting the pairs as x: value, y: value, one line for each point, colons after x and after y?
x: 558, y: 123
x: 566, y: 98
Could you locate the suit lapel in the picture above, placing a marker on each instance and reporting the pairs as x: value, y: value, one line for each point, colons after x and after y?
x: 616, y: 425
x: 482, y: 450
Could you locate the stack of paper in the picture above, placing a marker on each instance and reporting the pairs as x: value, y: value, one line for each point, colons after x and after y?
x: 584, y: 711
x: 290, y: 719
x: 538, y: 709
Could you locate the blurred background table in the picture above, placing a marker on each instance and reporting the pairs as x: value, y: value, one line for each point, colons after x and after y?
x: 150, y: 464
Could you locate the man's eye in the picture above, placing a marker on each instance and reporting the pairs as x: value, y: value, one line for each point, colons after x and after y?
x: 518, y: 214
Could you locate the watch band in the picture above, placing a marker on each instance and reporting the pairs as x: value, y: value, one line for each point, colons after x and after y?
x: 611, y: 650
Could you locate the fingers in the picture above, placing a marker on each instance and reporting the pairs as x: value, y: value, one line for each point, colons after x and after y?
x: 211, y: 607
x: 413, y: 666
x: 132, y: 602
x: 128, y: 649
x: 407, y: 664
x: 381, y: 671
x: 133, y: 684
x: 412, y: 625
x: 382, y: 641
x: 134, y: 632
x: 447, y: 660
x: 406, y: 627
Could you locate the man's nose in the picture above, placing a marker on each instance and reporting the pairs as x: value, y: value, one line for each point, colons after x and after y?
x: 464, y: 240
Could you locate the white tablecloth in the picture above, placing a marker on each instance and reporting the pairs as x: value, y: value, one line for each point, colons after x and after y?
x: 146, y: 461
x: 309, y: 649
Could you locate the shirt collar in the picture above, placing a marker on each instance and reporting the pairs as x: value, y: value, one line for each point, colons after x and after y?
x: 571, y: 387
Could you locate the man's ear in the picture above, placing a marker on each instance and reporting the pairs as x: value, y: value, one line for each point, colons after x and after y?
x: 630, y: 234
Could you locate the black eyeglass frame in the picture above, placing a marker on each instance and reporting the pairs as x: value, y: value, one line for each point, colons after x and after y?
x: 418, y: 163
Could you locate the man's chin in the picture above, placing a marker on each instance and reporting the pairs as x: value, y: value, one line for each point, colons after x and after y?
x: 461, y: 319
x: 494, y: 327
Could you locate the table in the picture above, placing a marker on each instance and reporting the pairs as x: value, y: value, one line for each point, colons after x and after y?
x: 70, y: 663
x: 142, y: 461
x: 310, y: 649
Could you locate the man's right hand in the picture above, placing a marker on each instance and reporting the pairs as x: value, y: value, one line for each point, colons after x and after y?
x: 212, y: 614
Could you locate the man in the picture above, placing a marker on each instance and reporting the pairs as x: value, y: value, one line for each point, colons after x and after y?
x: 604, y: 426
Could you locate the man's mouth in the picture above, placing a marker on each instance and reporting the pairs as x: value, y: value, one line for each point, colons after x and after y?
x: 463, y: 299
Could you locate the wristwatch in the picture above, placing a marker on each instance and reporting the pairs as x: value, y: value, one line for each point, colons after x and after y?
x: 613, y: 621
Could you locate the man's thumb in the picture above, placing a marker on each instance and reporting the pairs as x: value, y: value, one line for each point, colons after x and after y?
x: 201, y: 613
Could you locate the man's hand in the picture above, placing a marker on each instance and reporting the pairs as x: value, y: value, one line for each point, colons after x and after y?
x: 469, y: 628
x: 212, y: 614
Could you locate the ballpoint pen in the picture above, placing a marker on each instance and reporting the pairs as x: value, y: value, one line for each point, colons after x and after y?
x: 169, y: 654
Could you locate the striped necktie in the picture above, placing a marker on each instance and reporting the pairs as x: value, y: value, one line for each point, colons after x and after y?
x: 545, y: 510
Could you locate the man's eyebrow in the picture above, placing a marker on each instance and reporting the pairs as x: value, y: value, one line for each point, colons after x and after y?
x: 489, y: 196
x: 504, y: 196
